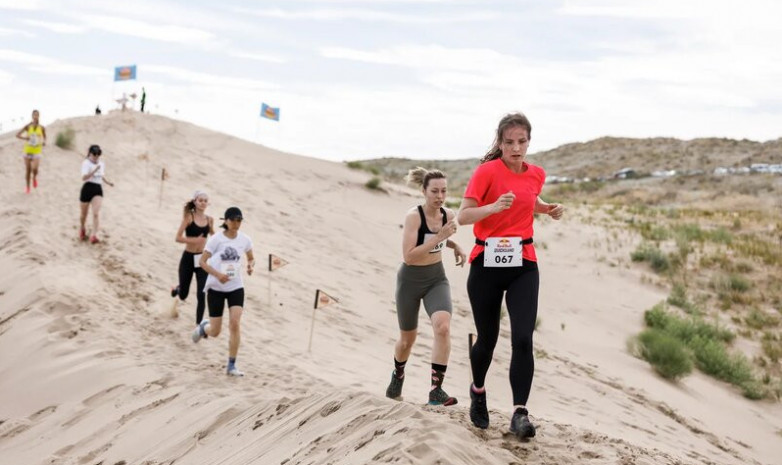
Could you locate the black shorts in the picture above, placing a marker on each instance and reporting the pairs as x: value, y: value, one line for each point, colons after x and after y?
x: 216, y: 301
x: 90, y: 190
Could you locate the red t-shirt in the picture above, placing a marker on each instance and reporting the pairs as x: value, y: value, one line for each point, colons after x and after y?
x: 492, y: 179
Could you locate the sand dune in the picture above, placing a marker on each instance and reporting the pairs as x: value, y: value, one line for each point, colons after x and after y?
x: 93, y: 370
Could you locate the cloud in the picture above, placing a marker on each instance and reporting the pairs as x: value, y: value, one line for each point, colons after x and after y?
x: 27, y: 5
x: 355, y: 14
x: 62, y: 28
x: 14, y: 56
x: 148, y: 30
x: 15, y: 32
x: 256, y: 56
x: 47, y: 65
x: 422, y: 57
x: 211, y: 80
x: 6, y: 77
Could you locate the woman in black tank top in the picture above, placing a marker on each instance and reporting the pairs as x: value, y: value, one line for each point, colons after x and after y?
x: 193, y: 231
x: 421, y: 278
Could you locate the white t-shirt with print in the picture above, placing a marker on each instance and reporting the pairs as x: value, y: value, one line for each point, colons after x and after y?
x: 86, y: 168
x: 226, y: 257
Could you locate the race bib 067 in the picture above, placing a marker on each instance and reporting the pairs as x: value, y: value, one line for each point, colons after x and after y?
x: 502, y: 252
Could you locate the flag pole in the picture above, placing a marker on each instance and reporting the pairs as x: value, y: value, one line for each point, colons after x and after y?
x: 312, y: 324
x: 269, y: 299
x: 162, y: 180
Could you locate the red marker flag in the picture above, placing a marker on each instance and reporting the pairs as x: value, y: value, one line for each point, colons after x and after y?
x: 276, y: 262
x: 322, y: 299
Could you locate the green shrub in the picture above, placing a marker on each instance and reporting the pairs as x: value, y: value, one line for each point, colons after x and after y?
x: 721, y: 236
x: 64, y: 139
x: 649, y: 253
x: 760, y: 320
x: 665, y: 353
x: 752, y: 246
x: 373, y: 183
x: 678, y: 296
x: 355, y: 165
x: 713, y: 358
x: 772, y: 346
x: 686, y: 330
x: 726, y: 283
x: 652, y: 232
x: 690, y: 232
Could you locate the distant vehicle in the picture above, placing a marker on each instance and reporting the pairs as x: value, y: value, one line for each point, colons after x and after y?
x: 624, y: 173
x: 759, y: 168
x: 551, y: 179
x: 663, y: 173
x: 776, y: 169
x: 720, y: 171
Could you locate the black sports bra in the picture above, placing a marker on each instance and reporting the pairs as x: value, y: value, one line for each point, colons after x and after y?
x: 193, y: 230
x: 423, y: 230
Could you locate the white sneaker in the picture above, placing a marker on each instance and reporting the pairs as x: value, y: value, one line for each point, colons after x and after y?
x: 200, y: 331
x: 233, y: 371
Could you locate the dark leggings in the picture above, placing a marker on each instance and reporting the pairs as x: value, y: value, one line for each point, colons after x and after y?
x: 485, y: 287
x: 186, y: 270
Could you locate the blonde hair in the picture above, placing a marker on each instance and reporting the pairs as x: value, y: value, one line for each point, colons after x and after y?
x: 421, y: 176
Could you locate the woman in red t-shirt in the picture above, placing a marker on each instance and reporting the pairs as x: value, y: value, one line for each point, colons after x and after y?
x: 501, y: 198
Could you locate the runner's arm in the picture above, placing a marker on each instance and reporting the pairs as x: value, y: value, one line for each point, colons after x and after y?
x: 410, y: 252
x: 250, y: 262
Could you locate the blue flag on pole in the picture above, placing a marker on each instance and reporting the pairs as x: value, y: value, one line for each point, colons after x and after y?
x: 125, y: 73
x: 270, y: 112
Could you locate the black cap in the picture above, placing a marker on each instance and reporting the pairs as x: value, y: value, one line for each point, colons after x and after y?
x: 94, y: 149
x: 232, y: 213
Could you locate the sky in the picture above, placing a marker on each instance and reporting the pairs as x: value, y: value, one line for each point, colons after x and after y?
x: 422, y: 79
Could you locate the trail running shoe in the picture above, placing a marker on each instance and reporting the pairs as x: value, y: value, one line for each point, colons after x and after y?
x: 94, y: 240
x: 394, y: 390
x: 479, y: 412
x: 200, y: 331
x: 439, y: 397
x: 174, y: 291
x: 82, y: 234
x: 520, y: 424
x: 233, y: 371
x: 35, y: 184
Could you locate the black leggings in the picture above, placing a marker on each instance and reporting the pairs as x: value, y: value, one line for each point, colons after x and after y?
x: 186, y: 270
x: 485, y: 287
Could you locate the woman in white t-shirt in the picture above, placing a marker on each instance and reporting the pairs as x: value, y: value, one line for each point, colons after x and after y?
x: 222, y: 259
x: 93, y: 173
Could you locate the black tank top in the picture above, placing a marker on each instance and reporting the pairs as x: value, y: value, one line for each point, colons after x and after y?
x: 193, y: 230
x: 423, y: 230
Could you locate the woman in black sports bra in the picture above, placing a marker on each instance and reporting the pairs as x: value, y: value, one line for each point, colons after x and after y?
x: 421, y: 277
x: 193, y: 231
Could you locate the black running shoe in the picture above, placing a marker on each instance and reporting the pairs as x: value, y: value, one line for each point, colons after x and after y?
x: 439, y: 397
x: 479, y: 413
x: 520, y: 424
x: 394, y: 390
x: 174, y: 291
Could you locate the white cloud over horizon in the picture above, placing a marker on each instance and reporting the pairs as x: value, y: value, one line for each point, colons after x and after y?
x: 373, y: 78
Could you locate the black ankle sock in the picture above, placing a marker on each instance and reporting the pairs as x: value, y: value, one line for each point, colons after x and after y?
x: 438, y: 374
x: 399, y: 368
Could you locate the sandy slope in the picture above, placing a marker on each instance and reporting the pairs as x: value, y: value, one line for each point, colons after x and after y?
x: 93, y: 370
